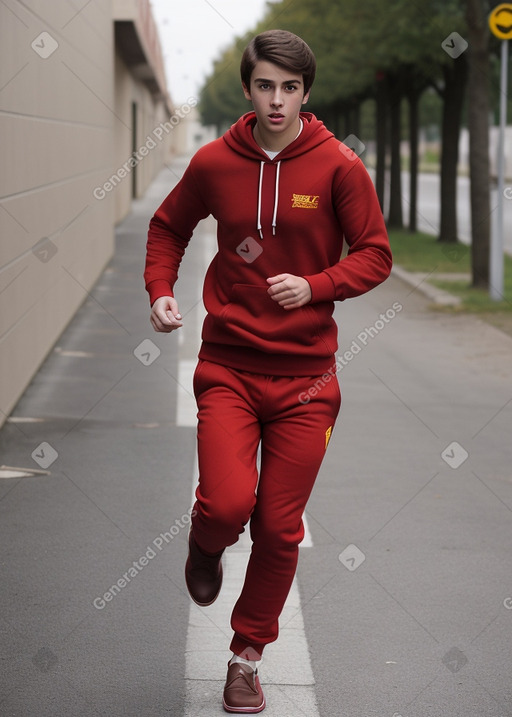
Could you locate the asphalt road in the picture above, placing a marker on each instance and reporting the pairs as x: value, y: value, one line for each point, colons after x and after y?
x: 406, y: 591
x: 429, y: 189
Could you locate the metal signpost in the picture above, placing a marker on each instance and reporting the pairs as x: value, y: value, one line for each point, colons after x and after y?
x: 500, y: 22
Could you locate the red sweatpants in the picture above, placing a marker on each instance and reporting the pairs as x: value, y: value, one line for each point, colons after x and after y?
x: 293, y: 419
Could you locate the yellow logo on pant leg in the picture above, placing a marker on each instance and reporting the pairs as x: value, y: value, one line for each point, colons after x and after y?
x: 328, y: 436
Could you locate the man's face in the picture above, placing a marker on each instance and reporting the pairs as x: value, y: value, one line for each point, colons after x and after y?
x: 277, y: 96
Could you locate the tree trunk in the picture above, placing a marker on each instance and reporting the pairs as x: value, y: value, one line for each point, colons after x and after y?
x: 455, y: 76
x: 478, y: 121
x: 381, y: 135
x: 413, y: 99
x: 395, y: 217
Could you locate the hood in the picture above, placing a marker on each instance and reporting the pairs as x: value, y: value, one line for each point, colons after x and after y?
x: 240, y: 139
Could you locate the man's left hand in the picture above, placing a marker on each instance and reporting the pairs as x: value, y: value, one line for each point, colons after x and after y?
x: 289, y: 291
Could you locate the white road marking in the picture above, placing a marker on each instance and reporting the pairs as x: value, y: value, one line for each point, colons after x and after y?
x: 186, y: 409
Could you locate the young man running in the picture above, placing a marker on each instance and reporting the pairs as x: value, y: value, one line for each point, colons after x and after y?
x: 285, y: 194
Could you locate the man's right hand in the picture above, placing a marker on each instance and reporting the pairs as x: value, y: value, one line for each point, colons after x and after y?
x: 165, y: 316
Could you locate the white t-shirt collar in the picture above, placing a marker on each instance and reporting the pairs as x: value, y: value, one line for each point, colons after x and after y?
x: 273, y: 155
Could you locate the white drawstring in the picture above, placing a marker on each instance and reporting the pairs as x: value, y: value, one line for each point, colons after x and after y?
x: 276, y: 200
x: 258, y: 226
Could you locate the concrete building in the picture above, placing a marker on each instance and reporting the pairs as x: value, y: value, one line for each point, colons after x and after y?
x: 192, y: 134
x: 85, y: 123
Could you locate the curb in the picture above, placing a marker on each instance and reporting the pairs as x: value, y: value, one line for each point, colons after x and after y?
x: 419, y: 282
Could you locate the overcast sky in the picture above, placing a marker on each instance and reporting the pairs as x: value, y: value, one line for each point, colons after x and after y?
x: 193, y: 32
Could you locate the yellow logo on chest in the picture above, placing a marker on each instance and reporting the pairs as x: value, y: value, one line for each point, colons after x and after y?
x: 305, y: 201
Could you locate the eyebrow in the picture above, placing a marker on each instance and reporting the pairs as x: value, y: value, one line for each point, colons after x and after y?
x: 270, y: 82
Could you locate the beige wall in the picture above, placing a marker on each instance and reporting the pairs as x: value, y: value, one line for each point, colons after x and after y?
x: 149, y: 117
x: 65, y: 128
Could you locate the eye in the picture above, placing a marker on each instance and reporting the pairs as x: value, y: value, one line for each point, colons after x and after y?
x: 290, y: 88
x: 264, y: 86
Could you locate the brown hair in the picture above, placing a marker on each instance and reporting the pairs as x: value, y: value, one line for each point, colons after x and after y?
x: 282, y: 48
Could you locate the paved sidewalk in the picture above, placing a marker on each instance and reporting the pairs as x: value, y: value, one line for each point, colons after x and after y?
x: 105, y: 411
x: 406, y: 593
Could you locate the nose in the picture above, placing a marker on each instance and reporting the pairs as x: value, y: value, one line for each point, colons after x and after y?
x: 277, y: 100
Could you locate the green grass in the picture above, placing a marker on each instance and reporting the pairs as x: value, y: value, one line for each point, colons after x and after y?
x: 423, y: 253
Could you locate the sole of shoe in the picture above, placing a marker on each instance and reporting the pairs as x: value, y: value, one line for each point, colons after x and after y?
x: 244, y: 710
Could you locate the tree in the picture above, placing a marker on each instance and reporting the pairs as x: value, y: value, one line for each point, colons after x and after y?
x: 395, y: 94
x: 221, y: 99
x: 389, y: 52
x: 415, y: 87
x: 478, y: 122
x: 453, y: 93
x: 407, y: 56
x: 381, y: 102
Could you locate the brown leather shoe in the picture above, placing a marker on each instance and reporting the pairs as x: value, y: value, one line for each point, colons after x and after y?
x: 242, y: 692
x: 203, y: 574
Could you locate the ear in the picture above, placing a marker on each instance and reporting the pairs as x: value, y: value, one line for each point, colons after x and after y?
x: 306, y: 97
x: 247, y: 94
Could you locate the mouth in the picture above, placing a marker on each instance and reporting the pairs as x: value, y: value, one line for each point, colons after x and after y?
x: 276, y: 117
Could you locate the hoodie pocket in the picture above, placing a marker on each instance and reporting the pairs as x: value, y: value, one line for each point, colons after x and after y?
x: 255, y: 319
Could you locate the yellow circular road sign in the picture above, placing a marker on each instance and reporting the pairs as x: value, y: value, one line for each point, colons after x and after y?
x: 500, y: 21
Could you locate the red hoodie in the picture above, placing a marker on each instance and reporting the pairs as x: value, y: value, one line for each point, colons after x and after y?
x: 286, y: 215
